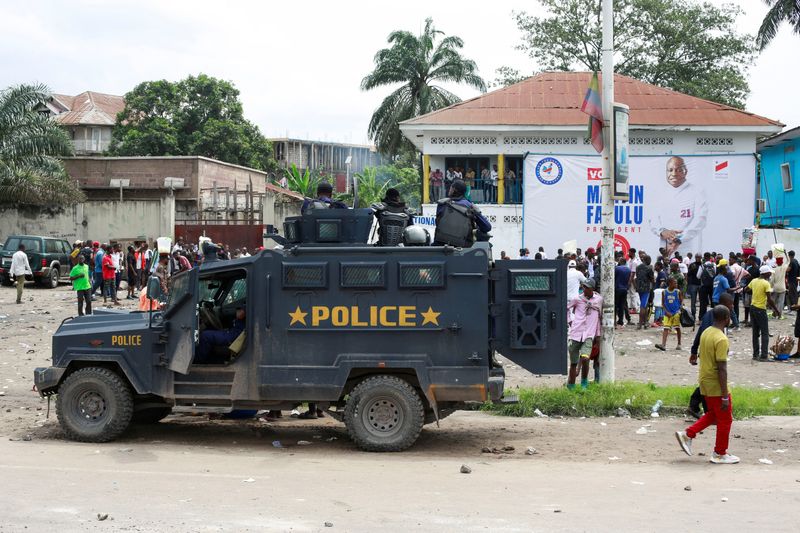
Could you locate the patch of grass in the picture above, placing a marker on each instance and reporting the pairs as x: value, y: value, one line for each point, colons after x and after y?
x: 605, y: 399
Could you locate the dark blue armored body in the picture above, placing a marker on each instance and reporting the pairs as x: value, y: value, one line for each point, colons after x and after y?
x: 386, y: 338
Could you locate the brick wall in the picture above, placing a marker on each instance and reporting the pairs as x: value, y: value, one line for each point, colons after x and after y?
x: 143, y: 172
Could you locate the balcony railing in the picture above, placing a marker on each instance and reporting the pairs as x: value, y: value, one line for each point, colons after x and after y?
x: 90, y: 147
x: 481, y: 191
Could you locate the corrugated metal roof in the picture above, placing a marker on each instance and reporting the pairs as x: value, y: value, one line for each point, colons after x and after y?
x: 89, y: 109
x: 555, y: 98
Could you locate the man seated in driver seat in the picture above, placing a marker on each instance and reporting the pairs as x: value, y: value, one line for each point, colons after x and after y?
x: 212, y: 337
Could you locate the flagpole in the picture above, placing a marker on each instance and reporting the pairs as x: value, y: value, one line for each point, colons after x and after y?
x: 607, y: 356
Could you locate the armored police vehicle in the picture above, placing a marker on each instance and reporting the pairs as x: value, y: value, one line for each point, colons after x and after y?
x: 385, y: 339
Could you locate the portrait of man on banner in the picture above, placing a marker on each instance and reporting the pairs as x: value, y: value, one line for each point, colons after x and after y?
x: 681, y: 214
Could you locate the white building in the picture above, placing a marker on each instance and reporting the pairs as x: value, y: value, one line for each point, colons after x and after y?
x: 541, y: 118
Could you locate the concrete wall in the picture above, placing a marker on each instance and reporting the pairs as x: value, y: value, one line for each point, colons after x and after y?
x: 227, y: 175
x: 767, y: 237
x: 99, y: 221
x: 533, y: 140
x: 144, y: 173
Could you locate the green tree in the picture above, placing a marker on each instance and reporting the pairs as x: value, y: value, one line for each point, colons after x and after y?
x: 779, y: 11
x: 195, y: 116
x: 418, y: 63
x: 683, y: 45
x: 304, y: 182
x: 406, y: 180
x: 31, y: 144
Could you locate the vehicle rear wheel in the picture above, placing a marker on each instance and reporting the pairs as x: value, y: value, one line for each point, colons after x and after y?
x: 52, y: 279
x: 94, y: 405
x: 6, y: 281
x: 384, y: 414
x: 151, y: 415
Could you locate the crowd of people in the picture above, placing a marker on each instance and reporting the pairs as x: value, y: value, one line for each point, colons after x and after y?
x: 481, y: 184
x: 98, y: 269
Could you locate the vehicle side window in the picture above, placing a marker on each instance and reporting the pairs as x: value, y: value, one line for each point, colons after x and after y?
x: 208, y: 288
x: 32, y: 245
x: 237, y: 293
x: 52, y: 247
x: 65, y: 248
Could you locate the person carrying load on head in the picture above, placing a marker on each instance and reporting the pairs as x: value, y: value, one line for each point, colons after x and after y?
x: 393, y: 217
x: 323, y: 199
x: 456, y: 217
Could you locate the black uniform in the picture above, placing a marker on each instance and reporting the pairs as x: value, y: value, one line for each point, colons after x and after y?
x: 393, y: 217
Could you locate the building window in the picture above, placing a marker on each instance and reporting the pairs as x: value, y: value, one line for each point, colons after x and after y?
x: 539, y: 140
x: 786, y: 177
x: 715, y: 141
x: 651, y: 141
x: 463, y: 140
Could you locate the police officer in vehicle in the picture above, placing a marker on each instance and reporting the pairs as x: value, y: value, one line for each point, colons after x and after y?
x: 393, y: 218
x: 323, y: 199
x: 456, y: 217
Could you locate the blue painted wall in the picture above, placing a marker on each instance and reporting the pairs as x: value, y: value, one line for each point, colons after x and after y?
x: 780, y: 204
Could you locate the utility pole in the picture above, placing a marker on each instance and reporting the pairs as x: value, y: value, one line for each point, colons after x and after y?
x: 607, y: 356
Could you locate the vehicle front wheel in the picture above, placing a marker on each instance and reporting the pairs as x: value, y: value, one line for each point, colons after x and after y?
x: 384, y: 414
x: 94, y: 405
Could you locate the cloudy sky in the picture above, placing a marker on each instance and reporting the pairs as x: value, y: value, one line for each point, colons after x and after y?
x: 298, y: 65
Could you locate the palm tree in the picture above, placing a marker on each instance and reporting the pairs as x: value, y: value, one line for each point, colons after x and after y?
x: 416, y: 62
x: 780, y: 11
x: 31, y: 172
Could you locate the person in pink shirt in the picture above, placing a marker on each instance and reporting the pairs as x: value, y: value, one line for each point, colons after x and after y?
x: 585, y: 310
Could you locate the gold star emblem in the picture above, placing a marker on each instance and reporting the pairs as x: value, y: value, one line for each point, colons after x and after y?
x: 430, y: 317
x: 298, y: 317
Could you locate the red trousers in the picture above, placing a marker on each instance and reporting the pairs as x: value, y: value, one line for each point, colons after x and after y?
x: 715, y: 415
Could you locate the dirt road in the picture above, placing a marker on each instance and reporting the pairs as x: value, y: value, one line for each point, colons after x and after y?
x: 192, y: 475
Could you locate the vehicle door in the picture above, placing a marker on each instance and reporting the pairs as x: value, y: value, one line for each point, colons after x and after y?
x: 529, y: 313
x: 180, y: 321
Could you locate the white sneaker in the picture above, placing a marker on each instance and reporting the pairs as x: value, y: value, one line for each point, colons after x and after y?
x: 684, y: 441
x: 726, y: 459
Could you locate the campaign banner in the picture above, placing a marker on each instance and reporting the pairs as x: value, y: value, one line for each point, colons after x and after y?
x: 683, y: 203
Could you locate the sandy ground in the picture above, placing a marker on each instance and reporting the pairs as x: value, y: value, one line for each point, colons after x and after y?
x: 192, y: 474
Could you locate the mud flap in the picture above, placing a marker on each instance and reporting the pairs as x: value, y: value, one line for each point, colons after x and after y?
x: 529, y: 313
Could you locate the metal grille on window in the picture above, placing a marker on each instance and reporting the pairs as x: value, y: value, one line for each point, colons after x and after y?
x: 421, y: 276
x: 528, y: 324
x: 304, y: 276
x: 463, y: 140
x: 539, y: 140
x: 715, y: 141
x: 651, y: 141
x: 328, y: 230
x: 363, y: 275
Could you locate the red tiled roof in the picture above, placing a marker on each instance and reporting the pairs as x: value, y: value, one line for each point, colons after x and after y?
x: 281, y: 190
x: 89, y: 108
x: 555, y: 98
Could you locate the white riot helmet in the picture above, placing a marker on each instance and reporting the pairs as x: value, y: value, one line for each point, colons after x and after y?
x: 416, y: 236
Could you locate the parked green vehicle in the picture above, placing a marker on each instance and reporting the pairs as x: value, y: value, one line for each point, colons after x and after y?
x: 48, y: 256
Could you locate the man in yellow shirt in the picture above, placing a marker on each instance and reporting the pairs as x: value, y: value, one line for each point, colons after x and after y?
x: 761, y: 290
x: 713, y: 380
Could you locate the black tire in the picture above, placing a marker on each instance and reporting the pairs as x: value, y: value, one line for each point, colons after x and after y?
x: 384, y: 414
x: 52, y: 279
x: 6, y: 281
x: 151, y: 415
x: 94, y: 405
